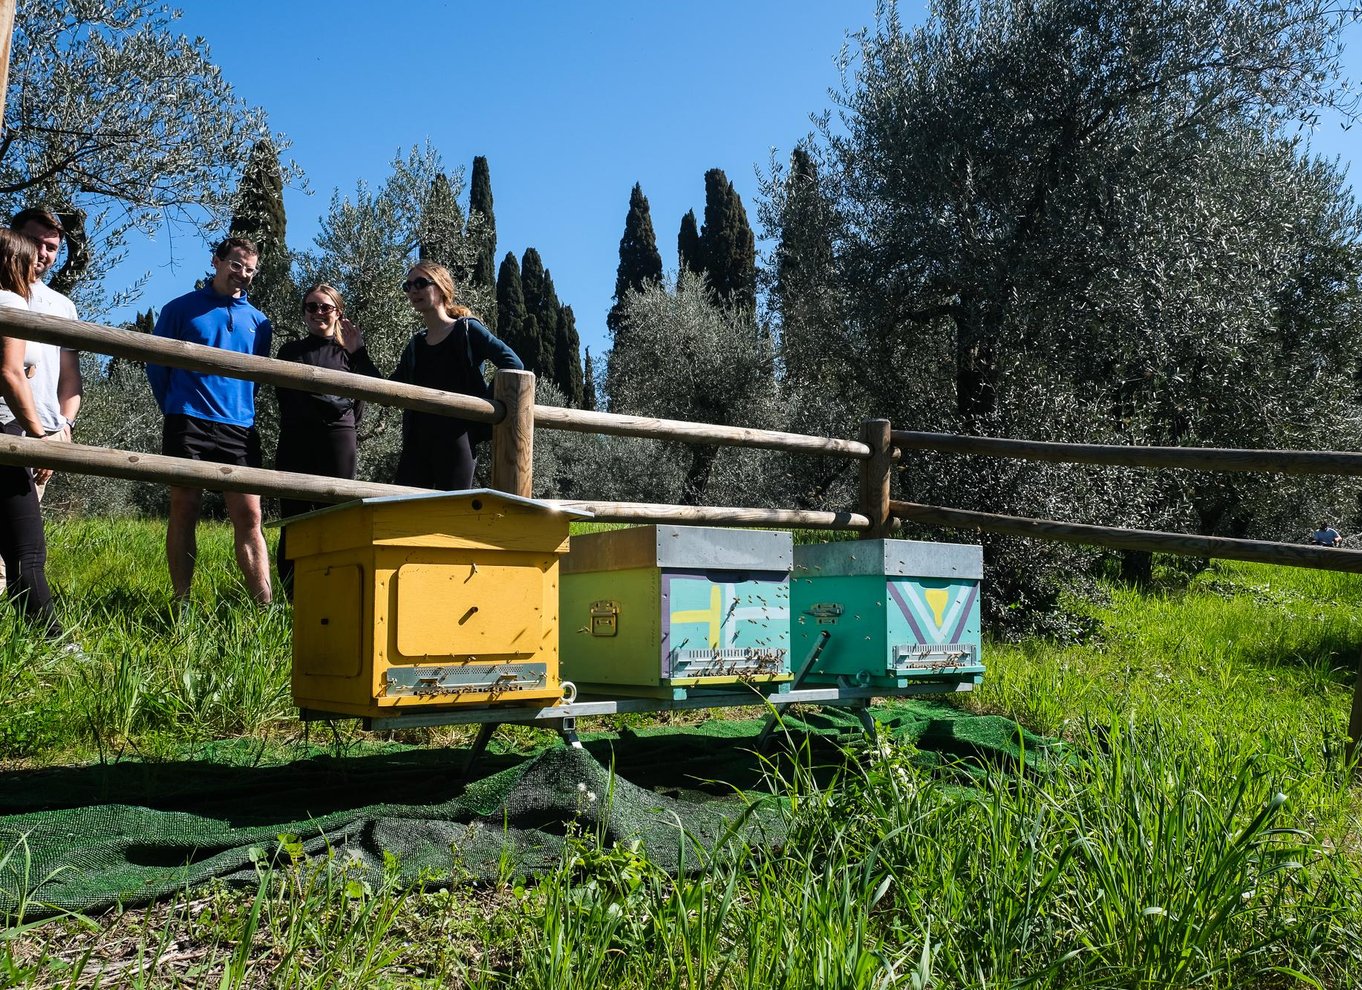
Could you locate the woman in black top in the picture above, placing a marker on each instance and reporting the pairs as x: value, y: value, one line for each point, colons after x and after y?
x: 438, y: 451
x: 317, y: 432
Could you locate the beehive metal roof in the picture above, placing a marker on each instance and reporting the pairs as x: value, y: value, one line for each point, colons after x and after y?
x: 439, y: 496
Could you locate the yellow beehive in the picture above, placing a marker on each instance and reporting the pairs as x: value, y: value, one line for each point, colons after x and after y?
x: 427, y: 601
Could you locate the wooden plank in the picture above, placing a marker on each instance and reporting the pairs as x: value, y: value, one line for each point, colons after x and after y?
x: 216, y: 361
x: 586, y: 421
x: 1258, y: 551
x: 1190, y: 458
x: 513, y: 437
x: 715, y: 515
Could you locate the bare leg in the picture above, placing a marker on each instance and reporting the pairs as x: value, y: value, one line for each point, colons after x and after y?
x: 252, y: 556
x: 181, y: 545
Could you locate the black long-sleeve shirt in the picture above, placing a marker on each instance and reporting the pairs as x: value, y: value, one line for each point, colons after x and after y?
x: 300, y: 410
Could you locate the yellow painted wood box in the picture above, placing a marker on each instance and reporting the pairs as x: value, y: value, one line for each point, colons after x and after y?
x: 423, y: 602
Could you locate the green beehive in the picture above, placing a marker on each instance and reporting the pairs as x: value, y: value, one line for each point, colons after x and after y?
x: 662, y: 611
x: 900, y: 612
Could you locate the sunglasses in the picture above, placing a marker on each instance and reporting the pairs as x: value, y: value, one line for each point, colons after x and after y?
x: 322, y: 308
x: 417, y: 283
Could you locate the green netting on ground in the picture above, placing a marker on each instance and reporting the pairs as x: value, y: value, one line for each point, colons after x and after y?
x: 85, y: 838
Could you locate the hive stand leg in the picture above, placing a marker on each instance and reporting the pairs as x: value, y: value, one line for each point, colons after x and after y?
x: 485, y: 733
x: 567, y: 728
x: 764, y: 737
x: 867, y: 723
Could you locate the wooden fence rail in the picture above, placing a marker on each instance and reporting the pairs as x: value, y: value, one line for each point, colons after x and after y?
x: 137, y: 466
x: 1191, y: 458
x: 197, y: 357
x: 1257, y: 551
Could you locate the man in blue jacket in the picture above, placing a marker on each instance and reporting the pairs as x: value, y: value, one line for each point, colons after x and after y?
x: 212, y: 417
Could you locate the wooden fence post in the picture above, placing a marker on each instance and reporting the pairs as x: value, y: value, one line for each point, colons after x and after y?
x: 875, y: 473
x: 513, y: 437
x: 7, y: 8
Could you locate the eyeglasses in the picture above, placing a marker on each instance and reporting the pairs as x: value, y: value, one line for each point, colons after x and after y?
x: 322, y: 308
x: 417, y: 283
x: 241, y: 269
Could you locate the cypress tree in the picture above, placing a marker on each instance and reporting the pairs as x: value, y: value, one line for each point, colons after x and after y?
x: 480, y: 204
x: 259, y: 210
x: 589, y: 384
x: 515, y: 326
x: 567, y: 365
x: 259, y: 215
x: 541, y: 303
x: 640, y: 262
x: 801, y: 293
x: 690, y: 255
x: 727, y: 245
x: 442, y: 227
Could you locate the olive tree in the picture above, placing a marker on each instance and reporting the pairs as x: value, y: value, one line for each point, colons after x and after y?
x: 1082, y: 221
x: 121, y: 125
x: 682, y: 355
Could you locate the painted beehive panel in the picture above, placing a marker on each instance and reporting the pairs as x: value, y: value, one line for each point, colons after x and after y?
x: 899, y: 611
x: 664, y: 610
x: 426, y: 601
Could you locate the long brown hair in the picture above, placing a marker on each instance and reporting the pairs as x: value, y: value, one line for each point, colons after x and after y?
x: 18, y: 261
x: 444, y: 281
x: 332, y: 293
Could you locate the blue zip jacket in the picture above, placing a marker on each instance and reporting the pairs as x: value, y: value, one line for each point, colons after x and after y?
x: 205, y: 317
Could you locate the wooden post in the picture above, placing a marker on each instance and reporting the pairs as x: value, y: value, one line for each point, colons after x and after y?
x: 6, y: 39
x: 875, y: 473
x: 513, y: 436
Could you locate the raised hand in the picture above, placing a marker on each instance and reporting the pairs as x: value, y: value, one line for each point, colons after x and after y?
x: 353, y: 335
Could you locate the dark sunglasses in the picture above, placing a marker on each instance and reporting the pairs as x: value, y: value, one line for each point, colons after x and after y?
x: 417, y: 283
x: 320, y: 308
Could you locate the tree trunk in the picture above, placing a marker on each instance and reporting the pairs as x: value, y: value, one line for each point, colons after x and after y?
x: 697, y: 476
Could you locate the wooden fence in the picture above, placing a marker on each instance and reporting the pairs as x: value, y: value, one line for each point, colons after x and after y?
x: 515, y: 417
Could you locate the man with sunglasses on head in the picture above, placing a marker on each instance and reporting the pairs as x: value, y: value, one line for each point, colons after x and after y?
x: 212, y: 417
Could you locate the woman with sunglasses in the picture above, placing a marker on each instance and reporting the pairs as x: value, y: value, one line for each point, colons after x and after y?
x: 28, y: 386
x: 317, y: 433
x: 438, y: 451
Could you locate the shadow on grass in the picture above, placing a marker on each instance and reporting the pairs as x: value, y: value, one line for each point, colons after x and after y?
x: 1331, y: 655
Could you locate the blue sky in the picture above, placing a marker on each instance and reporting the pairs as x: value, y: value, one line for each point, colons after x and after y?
x: 571, y: 103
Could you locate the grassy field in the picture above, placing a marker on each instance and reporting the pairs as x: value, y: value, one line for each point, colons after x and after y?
x: 1201, y: 829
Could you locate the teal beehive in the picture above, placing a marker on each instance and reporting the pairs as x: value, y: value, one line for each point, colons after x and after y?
x: 900, y: 612
x: 665, y: 611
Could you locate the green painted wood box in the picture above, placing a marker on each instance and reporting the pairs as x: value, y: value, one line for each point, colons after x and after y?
x: 900, y: 612
x: 661, y: 611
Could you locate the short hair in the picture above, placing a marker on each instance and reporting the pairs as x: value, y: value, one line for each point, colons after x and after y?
x: 18, y: 259
x: 244, y: 244
x: 38, y: 215
x: 444, y: 281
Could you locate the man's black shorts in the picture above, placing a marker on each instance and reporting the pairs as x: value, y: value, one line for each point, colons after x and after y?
x: 205, y: 440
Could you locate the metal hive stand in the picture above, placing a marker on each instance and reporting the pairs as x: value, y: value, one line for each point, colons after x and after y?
x: 563, y: 715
